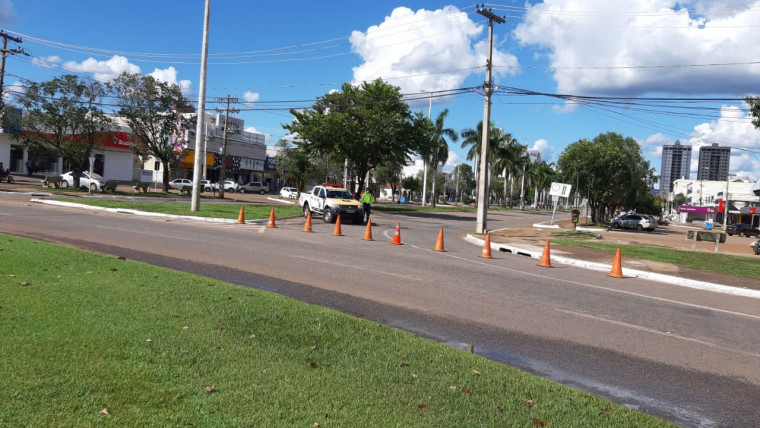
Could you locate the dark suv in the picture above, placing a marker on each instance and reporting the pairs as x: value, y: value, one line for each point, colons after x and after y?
x: 742, y: 229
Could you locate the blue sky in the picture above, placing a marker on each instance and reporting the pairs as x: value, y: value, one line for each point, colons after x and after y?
x: 278, y: 55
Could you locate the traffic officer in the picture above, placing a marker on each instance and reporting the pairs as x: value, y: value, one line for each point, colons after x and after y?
x: 366, y: 201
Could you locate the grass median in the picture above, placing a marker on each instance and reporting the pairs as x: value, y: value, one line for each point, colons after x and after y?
x: 206, y: 209
x: 723, y: 263
x: 90, y: 339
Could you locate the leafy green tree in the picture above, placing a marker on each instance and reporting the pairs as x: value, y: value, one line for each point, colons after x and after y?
x: 153, y: 110
x: 474, y: 137
x: 411, y: 184
x: 463, y: 180
x: 440, y: 146
x: 296, y: 166
x: 612, y: 170
x: 510, y: 157
x: 63, y: 116
x: 368, y: 125
x: 544, y: 174
x: 390, y: 174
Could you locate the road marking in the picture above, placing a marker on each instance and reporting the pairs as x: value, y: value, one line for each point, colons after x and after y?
x: 657, y: 332
x: 323, y: 261
x: 147, y: 233
x: 598, y: 287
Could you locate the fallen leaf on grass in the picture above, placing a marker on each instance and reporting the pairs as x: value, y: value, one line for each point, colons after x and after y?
x: 540, y: 423
x: 607, y: 410
x: 403, y: 365
x: 465, y: 391
x: 475, y: 372
x: 104, y: 412
x: 24, y: 283
x: 209, y: 389
x: 149, y: 341
x: 422, y: 406
x: 228, y: 297
x: 314, y: 365
x: 316, y: 424
x: 221, y: 328
x: 113, y: 269
x: 527, y: 401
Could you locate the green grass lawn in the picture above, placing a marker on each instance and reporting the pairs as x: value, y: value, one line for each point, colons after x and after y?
x: 723, y: 263
x: 207, y: 209
x: 84, y: 333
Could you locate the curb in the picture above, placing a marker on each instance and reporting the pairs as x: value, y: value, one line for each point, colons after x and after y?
x: 630, y: 273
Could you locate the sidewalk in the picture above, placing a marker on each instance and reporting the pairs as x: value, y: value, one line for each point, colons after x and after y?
x: 531, y: 242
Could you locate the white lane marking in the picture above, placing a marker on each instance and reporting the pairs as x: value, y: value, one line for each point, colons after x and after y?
x: 598, y: 287
x: 323, y: 261
x: 658, y: 332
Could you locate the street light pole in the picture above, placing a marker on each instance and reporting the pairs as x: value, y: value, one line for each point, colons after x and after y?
x: 199, y: 134
x: 424, y: 159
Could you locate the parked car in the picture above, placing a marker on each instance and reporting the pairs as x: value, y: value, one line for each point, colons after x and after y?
x: 206, y: 185
x: 85, y: 181
x: 179, y: 183
x: 254, y: 186
x: 289, y: 192
x: 634, y: 221
x: 229, y: 186
x: 742, y: 229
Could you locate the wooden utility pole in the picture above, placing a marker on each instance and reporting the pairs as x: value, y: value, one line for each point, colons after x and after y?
x: 223, y: 167
x: 481, y: 226
x: 5, y: 51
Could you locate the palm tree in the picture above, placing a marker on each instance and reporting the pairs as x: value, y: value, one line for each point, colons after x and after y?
x: 543, y: 175
x: 474, y: 138
x: 508, y: 158
x: 440, y: 146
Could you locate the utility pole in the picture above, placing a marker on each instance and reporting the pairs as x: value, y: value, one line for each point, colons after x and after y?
x: 200, y: 135
x: 223, y: 167
x: 5, y: 51
x: 481, y: 226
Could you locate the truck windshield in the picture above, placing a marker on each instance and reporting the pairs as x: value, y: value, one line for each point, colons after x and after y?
x: 338, y: 194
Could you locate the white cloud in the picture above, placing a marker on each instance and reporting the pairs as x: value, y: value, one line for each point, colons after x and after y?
x: 12, y: 90
x: 103, y: 70
x: 250, y: 97
x: 578, y: 36
x: 421, y: 51
x: 169, y: 75
x: 48, y: 62
x: 543, y: 147
x: 734, y: 128
x: 8, y: 16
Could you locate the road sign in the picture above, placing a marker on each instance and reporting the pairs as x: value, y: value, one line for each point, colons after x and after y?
x: 560, y: 189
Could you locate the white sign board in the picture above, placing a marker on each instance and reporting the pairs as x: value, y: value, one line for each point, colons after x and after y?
x: 560, y: 189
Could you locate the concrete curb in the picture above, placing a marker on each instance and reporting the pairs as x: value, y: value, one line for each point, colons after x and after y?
x: 629, y: 273
x: 145, y: 213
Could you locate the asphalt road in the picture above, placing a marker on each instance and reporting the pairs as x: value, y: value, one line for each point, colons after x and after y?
x: 684, y: 355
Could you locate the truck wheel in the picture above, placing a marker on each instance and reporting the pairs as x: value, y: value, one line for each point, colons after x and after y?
x: 328, y: 217
x: 306, y: 209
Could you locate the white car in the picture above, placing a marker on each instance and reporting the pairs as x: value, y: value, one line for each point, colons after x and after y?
x: 254, y: 186
x: 206, y: 185
x: 85, y: 181
x: 179, y: 183
x: 229, y: 186
x: 289, y: 192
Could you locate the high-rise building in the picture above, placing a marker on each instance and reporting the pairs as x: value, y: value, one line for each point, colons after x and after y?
x: 535, y: 155
x: 676, y: 163
x: 713, y: 162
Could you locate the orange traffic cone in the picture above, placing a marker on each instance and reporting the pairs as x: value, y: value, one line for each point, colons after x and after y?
x: 337, y: 231
x: 439, y: 242
x: 241, y: 216
x: 307, y: 226
x: 617, y: 266
x: 397, y: 235
x: 271, y: 219
x: 368, y: 231
x: 486, y: 252
x: 546, y: 260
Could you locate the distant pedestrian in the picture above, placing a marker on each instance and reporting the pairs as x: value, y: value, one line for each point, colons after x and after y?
x: 367, y: 201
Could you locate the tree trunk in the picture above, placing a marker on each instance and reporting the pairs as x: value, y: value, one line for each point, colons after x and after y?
x: 165, y: 175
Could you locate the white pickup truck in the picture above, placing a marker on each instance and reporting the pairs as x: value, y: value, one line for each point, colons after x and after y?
x: 329, y: 202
